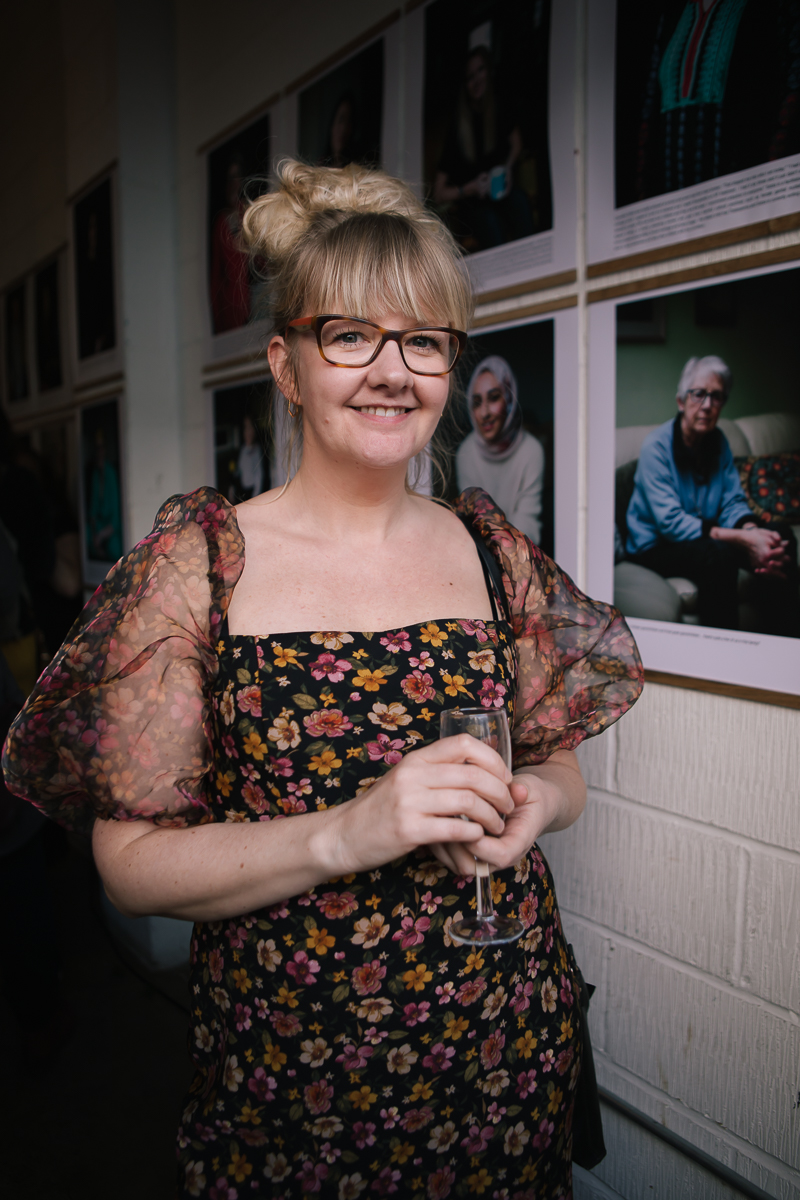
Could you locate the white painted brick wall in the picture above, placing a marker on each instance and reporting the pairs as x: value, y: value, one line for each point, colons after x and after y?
x: 680, y: 890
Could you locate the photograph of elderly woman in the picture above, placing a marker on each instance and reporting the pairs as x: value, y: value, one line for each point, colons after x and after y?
x: 707, y: 491
x: 240, y: 441
x: 704, y: 88
x: 507, y: 414
x: 339, y: 118
x: 102, y: 497
x: 487, y: 162
x: 237, y: 173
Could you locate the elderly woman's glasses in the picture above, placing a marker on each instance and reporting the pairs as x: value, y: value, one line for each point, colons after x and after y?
x: 351, y: 342
x: 701, y: 395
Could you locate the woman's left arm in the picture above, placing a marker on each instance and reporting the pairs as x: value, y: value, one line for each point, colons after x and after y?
x: 548, y: 797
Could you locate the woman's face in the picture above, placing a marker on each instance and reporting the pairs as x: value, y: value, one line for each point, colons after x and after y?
x: 377, y: 416
x: 699, y: 415
x: 488, y: 407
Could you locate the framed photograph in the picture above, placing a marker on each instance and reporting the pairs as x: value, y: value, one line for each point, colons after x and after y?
x: 503, y: 424
x: 49, y: 370
x: 93, y: 232
x: 694, y: 532
x: 16, y: 345
x: 340, y: 116
x: 238, y: 171
x: 683, y: 142
x: 103, y: 539
x: 241, y: 440
x: 498, y: 95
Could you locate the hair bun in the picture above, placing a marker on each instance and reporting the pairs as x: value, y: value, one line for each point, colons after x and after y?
x: 306, y: 196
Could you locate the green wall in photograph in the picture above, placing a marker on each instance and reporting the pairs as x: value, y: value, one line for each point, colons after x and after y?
x: 752, y: 324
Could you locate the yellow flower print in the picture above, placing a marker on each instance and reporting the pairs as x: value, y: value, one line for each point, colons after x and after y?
x: 433, y: 634
x: 421, y: 1090
x: 325, y: 762
x: 359, y: 654
x: 274, y: 1057
x: 241, y: 979
x: 370, y: 681
x: 426, y: 714
x: 224, y: 782
x: 286, y: 997
x: 479, y: 1182
x: 402, y: 1153
x: 417, y: 978
x: 451, y: 625
x: 239, y: 1167
x: 554, y: 1103
x: 455, y: 1026
x: 363, y: 1098
x: 353, y: 751
x: 475, y: 961
x: 327, y: 698
x: 498, y: 888
x: 286, y: 658
x: 455, y: 684
x: 319, y: 940
x: 251, y: 1114
x: 526, y: 1044
x: 566, y: 1029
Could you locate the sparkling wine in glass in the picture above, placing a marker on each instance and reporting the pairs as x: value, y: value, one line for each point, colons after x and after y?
x: 486, y: 927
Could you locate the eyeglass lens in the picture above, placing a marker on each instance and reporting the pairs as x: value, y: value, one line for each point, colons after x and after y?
x: 350, y: 343
x: 701, y: 395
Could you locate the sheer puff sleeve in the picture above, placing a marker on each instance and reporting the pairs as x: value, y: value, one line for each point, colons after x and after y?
x: 579, y: 668
x: 118, y: 724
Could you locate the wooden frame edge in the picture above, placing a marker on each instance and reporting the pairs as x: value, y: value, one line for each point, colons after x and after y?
x: 560, y: 279
x: 728, y: 266
x: 530, y: 310
x: 710, y: 241
x: 733, y: 690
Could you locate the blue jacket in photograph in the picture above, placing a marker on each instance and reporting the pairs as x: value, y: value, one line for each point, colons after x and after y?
x: 676, y: 506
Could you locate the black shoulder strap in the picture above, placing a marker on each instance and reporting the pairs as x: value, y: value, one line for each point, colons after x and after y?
x: 491, y: 571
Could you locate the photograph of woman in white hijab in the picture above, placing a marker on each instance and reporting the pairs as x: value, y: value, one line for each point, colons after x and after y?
x: 509, y: 404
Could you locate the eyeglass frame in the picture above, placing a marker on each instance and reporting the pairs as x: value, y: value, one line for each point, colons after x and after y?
x: 696, y: 394
x: 387, y: 335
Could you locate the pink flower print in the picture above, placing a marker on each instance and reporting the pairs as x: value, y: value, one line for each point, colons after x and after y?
x: 424, y: 662
x: 293, y: 804
x: 212, y: 516
x: 419, y: 687
x: 412, y: 932
x: 317, y: 1097
x: 281, y: 766
x: 522, y: 997
x: 221, y: 1191
x: 187, y: 709
x: 440, y: 1183
x: 330, y: 667
x: 495, y: 1113
x: 430, y: 902
x: 548, y: 939
x: 262, y: 1008
x: 215, y: 965
x: 236, y: 935
x: 386, y: 1183
x: 395, y: 642
x: 262, y: 1085
x: 302, y: 968
x: 337, y: 904
x: 446, y: 992
x: 354, y: 1058
x: 242, y: 1016
x: 491, y: 1049
x: 526, y: 1083
x: 385, y: 748
x: 545, y: 1135
x: 475, y: 629
x: 547, y: 1059
x: 229, y: 746
x: 311, y: 1176
x: 564, y: 1060
x: 439, y: 1057
x: 254, y: 797
x: 549, y: 995
x: 301, y: 788
x: 566, y: 994
x: 471, y: 991
x: 363, y: 1134
x: 390, y: 1117
x: 327, y: 723
x: 478, y: 1139
x: 417, y: 1118
x: 285, y: 1024
x: 367, y: 979
x: 101, y: 736
x: 491, y: 694
x: 248, y: 700
x: 528, y: 910
x: 416, y: 1014
x: 71, y: 725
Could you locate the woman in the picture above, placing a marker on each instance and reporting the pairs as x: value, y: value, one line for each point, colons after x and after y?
x: 337, y: 1031
x: 499, y: 455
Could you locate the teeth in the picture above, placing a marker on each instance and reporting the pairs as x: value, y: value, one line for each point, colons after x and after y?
x: 380, y: 411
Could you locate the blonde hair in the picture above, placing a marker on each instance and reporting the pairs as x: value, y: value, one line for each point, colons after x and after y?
x: 354, y: 241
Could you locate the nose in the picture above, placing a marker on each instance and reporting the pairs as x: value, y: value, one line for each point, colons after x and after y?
x: 389, y: 367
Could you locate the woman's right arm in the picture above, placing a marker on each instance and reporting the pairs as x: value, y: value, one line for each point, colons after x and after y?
x: 220, y: 870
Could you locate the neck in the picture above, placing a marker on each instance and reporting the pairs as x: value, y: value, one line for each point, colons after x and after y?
x: 690, y: 438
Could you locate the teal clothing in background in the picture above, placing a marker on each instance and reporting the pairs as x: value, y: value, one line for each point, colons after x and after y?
x: 104, y: 512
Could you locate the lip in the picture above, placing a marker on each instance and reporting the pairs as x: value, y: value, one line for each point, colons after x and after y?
x: 393, y: 413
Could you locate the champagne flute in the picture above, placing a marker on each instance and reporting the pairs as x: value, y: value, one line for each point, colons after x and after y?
x: 487, y: 927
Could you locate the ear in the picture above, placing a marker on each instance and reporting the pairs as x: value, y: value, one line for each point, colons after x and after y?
x: 680, y: 402
x: 279, y: 365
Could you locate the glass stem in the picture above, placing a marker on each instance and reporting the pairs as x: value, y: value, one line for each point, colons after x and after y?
x: 483, y: 890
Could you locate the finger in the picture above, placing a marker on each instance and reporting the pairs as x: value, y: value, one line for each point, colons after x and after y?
x: 474, y: 778
x: 463, y: 860
x: 463, y: 803
x: 444, y: 855
x: 464, y: 748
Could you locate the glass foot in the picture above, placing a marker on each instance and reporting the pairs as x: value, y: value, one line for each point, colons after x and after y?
x: 487, y: 931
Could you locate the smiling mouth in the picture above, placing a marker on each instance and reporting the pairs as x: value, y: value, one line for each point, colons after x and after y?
x: 377, y: 410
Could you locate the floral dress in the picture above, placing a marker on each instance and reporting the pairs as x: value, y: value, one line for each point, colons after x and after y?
x: 345, y: 1046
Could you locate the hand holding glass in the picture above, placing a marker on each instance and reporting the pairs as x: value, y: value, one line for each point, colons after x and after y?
x: 486, y: 927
